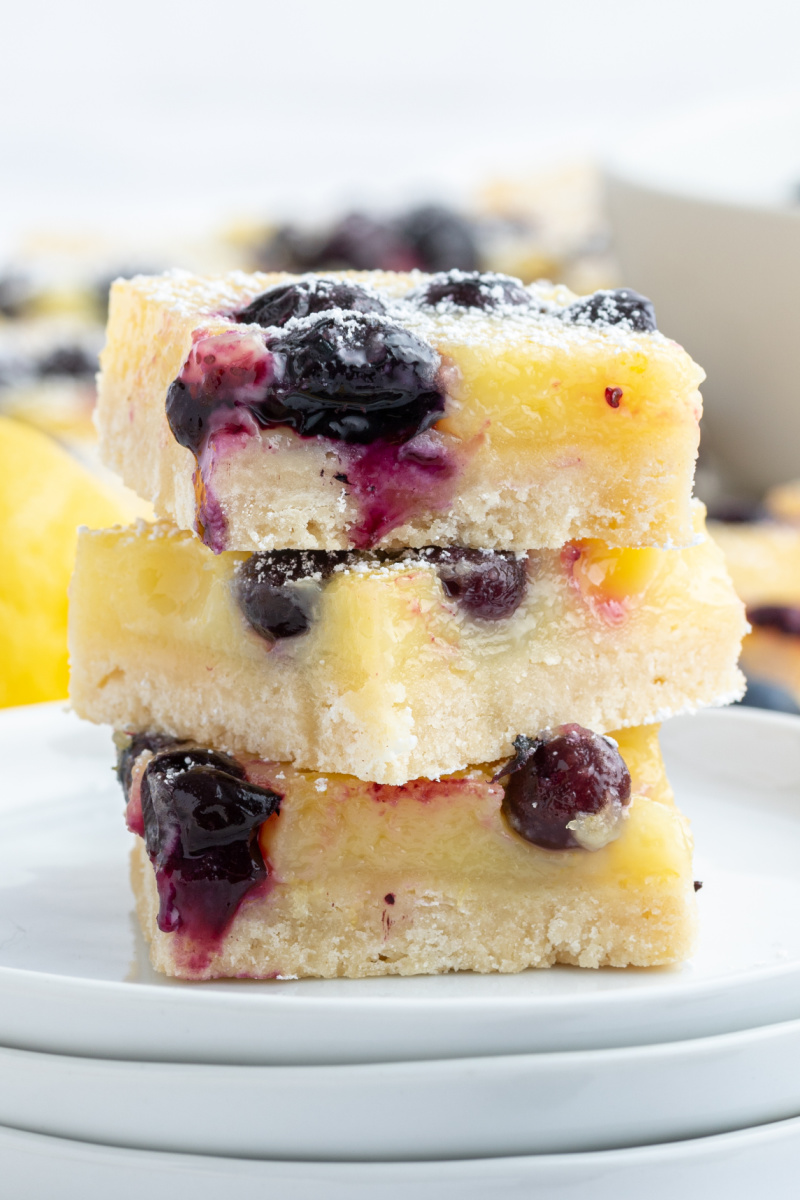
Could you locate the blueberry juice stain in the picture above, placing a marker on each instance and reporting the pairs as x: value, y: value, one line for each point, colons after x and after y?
x: 351, y: 376
x: 200, y: 819
x: 393, y: 483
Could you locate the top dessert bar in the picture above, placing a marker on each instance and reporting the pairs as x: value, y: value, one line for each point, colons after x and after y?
x: 380, y: 410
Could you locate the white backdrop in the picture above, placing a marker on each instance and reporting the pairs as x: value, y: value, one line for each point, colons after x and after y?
x: 179, y: 112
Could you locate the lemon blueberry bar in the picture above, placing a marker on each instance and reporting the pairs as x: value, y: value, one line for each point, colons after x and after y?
x: 571, y: 851
x: 379, y: 410
x: 391, y: 667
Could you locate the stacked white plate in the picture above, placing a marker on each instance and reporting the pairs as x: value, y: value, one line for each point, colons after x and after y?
x: 555, y: 1083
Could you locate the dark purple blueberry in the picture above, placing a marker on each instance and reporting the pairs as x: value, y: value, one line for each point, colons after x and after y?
x: 622, y: 306
x: 189, y: 412
x: 366, y: 243
x: 354, y: 378
x: 736, y: 511
x: 487, y: 583
x: 442, y: 239
x: 264, y: 591
x: 783, y: 617
x: 471, y: 289
x: 72, y: 361
x: 201, y: 822
x: 761, y: 693
x: 288, y: 300
x: 561, y: 776
x: 356, y: 242
x: 130, y: 747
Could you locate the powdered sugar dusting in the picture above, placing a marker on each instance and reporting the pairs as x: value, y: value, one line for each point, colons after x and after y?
x: 505, y: 325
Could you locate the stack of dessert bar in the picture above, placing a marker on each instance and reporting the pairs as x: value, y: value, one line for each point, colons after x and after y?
x: 387, y: 671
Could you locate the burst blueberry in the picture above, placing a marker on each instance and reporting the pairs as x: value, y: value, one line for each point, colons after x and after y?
x: 201, y: 823
x: 354, y: 377
x: 130, y: 746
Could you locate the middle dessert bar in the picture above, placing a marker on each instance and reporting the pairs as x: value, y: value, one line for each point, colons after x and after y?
x: 393, y: 668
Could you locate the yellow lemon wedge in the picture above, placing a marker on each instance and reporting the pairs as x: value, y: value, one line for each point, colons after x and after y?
x: 45, y: 495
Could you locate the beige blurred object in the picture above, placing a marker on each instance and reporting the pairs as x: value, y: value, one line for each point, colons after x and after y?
x: 557, y: 227
x: 783, y: 502
x: 64, y: 274
x: 763, y: 559
x: 706, y: 222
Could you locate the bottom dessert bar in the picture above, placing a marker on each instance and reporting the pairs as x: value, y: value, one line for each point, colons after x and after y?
x: 255, y: 869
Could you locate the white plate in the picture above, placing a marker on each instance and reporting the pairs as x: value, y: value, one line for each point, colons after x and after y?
x: 74, y: 975
x: 736, y: 1166
x: 441, y: 1109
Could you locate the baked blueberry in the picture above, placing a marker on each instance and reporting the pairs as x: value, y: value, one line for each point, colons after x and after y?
x: 567, y: 787
x: 487, y: 583
x: 441, y: 239
x: 264, y: 589
x: 622, y: 306
x: 471, y: 289
x: 282, y: 303
x: 356, y: 242
x: 354, y: 378
x: 785, y: 618
x: 201, y: 822
x: 72, y: 361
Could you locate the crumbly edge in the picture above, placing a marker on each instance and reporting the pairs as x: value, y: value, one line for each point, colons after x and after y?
x: 137, y: 694
x: 489, y: 508
x: 332, y: 929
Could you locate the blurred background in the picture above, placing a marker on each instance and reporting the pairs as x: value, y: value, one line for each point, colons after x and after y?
x: 652, y: 145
